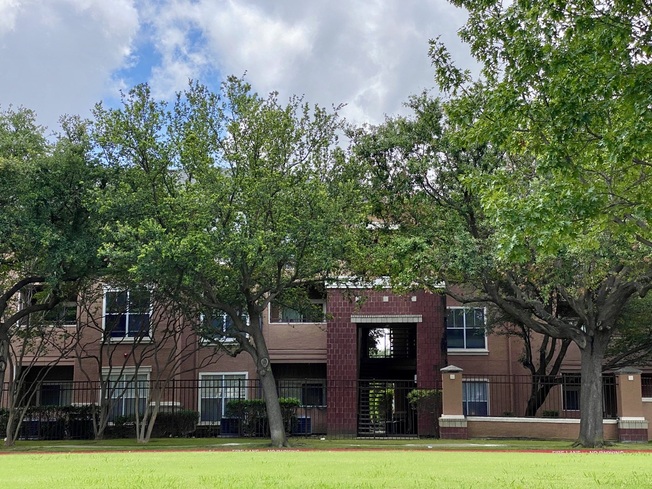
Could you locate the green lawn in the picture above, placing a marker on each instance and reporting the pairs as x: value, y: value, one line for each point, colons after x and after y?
x: 241, y: 467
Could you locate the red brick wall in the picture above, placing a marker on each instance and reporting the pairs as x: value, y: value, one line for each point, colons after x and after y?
x: 342, y: 346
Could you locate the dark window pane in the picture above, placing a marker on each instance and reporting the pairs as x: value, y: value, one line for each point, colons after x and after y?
x: 138, y: 325
x: 139, y: 302
x: 475, y: 338
x: 116, y: 302
x: 455, y: 338
x: 211, y: 409
x: 312, y: 395
x: 116, y: 325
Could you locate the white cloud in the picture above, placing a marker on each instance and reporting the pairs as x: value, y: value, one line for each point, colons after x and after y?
x: 62, y: 56
x: 58, y: 56
x: 370, y: 54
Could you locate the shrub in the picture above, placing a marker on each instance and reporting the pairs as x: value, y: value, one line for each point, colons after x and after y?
x: 253, y: 414
x: 425, y: 400
x: 175, y: 424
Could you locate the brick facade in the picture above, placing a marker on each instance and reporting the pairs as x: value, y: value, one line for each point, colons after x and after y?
x: 343, y: 353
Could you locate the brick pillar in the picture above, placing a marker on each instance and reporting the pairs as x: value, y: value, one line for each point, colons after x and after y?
x: 632, y: 425
x: 452, y: 423
x: 342, y: 366
x: 432, y: 308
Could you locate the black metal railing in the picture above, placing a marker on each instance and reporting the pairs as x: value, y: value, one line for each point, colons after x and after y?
x: 525, y: 396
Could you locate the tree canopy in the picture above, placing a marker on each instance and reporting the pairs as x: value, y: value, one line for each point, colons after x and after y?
x: 529, y: 187
x: 49, y: 231
x: 228, y: 201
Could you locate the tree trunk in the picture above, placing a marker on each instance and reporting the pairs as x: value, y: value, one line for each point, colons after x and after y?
x: 539, y: 393
x: 591, y: 411
x: 260, y: 355
x: 11, y: 422
x: 274, y: 415
x: 4, y: 358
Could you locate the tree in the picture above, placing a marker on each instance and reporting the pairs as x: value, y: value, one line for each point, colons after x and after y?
x: 445, y: 225
x: 48, y: 237
x: 564, y: 85
x: 227, y: 202
x: 38, y: 343
x: 122, y: 360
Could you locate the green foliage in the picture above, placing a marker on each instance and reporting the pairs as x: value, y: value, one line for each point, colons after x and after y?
x: 566, y: 85
x: 426, y: 400
x: 174, y: 424
x: 226, y: 200
x: 530, y: 187
x: 253, y: 414
x: 632, y: 345
x: 50, y: 230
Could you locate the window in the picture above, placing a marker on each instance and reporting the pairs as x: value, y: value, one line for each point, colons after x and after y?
x: 465, y: 328
x: 64, y: 313
x: 475, y: 398
x: 55, y: 394
x: 314, y: 313
x: 215, y: 391
x: 126, y: 314
x: 309, y: 392
x: 127, y: 391
x: 571, y: 388
x: 646, y: 385
x: 216, y: 328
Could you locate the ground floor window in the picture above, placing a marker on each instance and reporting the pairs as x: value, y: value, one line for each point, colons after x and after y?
x: 571, y: 392
x: 128, y: 393
x: 215, y: 391
x: 475, y: 398
x: 55, y: 394
x: 310, y: 392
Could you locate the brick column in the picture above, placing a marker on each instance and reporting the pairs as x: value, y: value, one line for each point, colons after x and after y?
x: 342, y: 366
x: 452, y: 423
x: 632, y: 425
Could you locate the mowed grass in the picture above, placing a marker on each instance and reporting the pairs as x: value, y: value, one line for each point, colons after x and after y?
x: 326, y: 469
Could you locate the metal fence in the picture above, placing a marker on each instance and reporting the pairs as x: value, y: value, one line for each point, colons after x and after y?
x: 523, y: 395
x: 62, y: 409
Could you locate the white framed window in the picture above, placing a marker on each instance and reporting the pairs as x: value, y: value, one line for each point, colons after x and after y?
x: 465, y: 328
x: 475, y: 398
x: 128, y: 392
x: 279, y: 313
x: 127, y: 314
x: 216, y: 328
x: 216, y: 390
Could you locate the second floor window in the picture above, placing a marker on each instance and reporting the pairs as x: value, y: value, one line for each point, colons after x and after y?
x: 127, y: 314
x: 465, y: 328
x: 63, y: 313
x: 311, y: 313
x: 218, y: 328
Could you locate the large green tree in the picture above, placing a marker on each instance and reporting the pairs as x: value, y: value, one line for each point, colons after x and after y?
x: 48, y: 228
x: 227, y: 201
x: 435, y: 190
x: 563, y: 94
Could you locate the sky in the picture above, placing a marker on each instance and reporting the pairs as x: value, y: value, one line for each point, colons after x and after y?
x: 63, y: 56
